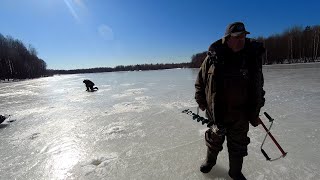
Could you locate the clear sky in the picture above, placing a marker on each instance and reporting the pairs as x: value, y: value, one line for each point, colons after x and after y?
x: 70, y: 34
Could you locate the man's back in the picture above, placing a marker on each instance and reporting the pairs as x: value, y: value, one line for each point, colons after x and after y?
x: 88, y: 82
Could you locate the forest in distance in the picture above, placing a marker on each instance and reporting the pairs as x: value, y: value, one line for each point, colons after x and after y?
x: 296, y: 45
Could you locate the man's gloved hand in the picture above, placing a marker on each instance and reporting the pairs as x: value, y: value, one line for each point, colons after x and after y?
x: 255, y: 121
x: 202, y: 107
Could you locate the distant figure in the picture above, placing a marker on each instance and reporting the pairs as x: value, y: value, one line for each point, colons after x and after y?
x: 89, y: 85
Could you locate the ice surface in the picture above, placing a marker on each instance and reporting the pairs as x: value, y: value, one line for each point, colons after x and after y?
x: 133, y: 128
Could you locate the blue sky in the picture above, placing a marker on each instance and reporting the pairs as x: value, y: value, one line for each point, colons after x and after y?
x: 71, y: 34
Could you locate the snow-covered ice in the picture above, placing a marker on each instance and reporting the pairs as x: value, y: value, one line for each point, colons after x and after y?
x: 133, y: 128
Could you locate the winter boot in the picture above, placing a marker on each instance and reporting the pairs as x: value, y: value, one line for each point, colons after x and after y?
x: 209, y: 162
x: 235, y: 164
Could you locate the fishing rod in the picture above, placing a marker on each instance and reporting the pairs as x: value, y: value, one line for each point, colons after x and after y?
x: 211, y: 125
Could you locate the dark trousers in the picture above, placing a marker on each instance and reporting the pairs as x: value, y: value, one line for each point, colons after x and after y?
x: 237, y: 138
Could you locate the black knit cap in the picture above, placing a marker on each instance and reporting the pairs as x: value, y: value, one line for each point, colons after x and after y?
x: 235, y: 29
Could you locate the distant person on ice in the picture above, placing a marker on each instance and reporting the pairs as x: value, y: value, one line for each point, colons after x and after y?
x: 229, y: 87
x: 89, y: 85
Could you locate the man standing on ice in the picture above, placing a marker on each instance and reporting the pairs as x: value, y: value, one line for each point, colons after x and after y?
x: 229, y: 87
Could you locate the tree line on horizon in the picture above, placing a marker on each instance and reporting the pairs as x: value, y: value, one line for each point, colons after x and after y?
x: 138, y: 67
x: 18, y: 61
x: 295, y: 45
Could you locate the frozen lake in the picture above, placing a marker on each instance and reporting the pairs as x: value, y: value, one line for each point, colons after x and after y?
x: 133, y: 128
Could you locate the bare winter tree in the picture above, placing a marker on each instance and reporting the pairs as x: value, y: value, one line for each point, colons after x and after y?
x: 18, y: 62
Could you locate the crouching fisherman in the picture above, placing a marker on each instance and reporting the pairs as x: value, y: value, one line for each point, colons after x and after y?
x: 89, y: 85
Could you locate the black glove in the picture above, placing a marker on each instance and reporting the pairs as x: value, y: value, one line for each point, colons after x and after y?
x: 202, y: 107
x: 254, y: 119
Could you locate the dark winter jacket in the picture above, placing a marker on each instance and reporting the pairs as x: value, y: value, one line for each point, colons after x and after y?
x: 230, y: 84
x: 88, y: 83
